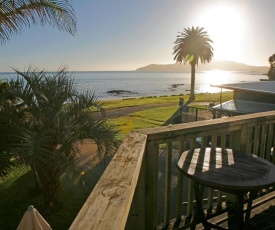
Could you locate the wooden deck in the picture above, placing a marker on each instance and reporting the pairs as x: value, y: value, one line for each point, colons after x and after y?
x: 128, y: 194
x: 262, y: 215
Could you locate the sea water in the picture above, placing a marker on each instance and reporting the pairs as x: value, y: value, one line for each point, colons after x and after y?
x: 133, y: 84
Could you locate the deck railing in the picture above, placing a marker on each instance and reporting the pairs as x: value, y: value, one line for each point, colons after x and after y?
x: 142, y: 189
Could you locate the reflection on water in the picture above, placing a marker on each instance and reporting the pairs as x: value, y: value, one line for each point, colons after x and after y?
x: 216, y: 77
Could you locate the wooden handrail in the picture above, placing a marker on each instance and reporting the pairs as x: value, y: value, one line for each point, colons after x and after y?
x: 216, y: 125
x: 108, y: 205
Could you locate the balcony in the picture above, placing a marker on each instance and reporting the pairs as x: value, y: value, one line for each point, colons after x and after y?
x: 142, y: 189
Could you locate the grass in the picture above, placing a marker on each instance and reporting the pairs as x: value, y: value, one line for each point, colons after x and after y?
x: 145, y: 119
x: 16, y: 192
x: 158, y: 116
x: 207, y: 97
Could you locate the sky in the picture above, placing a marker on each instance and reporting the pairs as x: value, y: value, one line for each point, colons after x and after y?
x: 118, y: 35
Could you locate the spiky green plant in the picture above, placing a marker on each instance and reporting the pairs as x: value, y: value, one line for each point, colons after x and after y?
x: 50, y: 116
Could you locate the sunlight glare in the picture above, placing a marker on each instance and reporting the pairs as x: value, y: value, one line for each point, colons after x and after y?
x: 225, y: 26
x: 215, y: 77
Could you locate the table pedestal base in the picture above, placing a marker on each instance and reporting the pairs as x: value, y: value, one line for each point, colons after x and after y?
x: 199, y: 215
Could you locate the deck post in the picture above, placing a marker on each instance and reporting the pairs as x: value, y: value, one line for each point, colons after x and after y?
x: 136, y: 218
x: 151, y: 199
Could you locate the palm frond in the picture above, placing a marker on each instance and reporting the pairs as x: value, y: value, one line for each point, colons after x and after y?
x: 15, y: 14
x: 193, y: 42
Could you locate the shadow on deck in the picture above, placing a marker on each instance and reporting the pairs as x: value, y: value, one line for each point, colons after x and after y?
x: 262, y: 215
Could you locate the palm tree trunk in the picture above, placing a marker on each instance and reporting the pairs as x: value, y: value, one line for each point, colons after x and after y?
x: 192, y: 89
x: 50, y: 190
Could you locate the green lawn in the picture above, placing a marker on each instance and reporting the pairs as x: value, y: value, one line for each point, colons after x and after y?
x: 16, y: 192
x: 145, y: 119
x: 208, y: 97
x: 158, y: 116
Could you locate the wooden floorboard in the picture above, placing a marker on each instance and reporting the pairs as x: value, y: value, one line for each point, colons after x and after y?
x: 262, y: 215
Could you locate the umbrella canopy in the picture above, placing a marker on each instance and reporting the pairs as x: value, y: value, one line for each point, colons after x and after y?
x: 32, y: 220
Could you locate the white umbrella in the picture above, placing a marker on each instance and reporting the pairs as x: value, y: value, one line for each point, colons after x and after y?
x: 32, y: 220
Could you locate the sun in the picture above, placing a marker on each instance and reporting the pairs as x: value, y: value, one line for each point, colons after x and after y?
x: 225, y: 25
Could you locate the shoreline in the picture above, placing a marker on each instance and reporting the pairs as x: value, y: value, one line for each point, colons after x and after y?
x: 161, y: 96
x: 162, y: 101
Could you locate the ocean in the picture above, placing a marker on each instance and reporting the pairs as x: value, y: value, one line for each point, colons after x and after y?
x: 130, y: 84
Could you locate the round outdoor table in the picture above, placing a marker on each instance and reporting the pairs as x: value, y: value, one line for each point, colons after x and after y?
x: 226, y: 170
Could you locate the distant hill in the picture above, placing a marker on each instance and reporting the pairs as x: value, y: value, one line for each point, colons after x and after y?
x: 213, y: 65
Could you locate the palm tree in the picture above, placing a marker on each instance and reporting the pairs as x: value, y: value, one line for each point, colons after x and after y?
x: 192, y: 45
x: 271, y: 71
x: 52, y: 116
x: 15, y: 14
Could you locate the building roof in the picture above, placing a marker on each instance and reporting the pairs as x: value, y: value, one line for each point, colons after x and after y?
x: 244, y: 107
x: 262, y: 87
